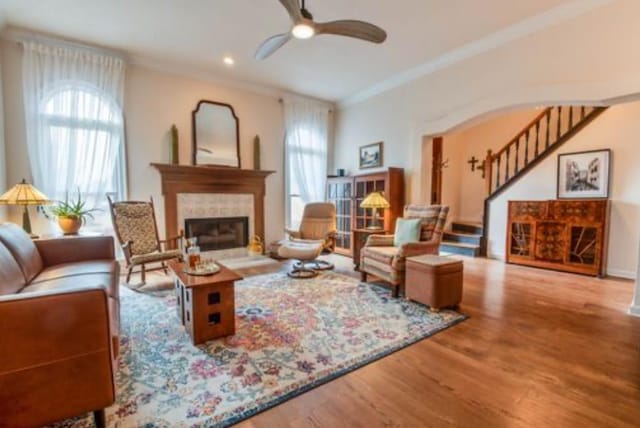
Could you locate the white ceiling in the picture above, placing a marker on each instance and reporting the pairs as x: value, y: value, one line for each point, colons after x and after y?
x: 195, y: 35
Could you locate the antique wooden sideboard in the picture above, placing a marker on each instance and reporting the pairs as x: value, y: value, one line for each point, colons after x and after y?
x: 565, y: 235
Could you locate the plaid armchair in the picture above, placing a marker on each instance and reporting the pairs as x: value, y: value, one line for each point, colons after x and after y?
x: 135, y: 225
x: 380, y: 258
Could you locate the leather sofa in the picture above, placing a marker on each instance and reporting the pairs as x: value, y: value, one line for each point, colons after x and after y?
x: 59, y: 326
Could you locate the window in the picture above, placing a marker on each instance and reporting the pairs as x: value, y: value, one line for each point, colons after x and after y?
x: 83, y: 147
x: 306, y: 142
x: 304, y: 160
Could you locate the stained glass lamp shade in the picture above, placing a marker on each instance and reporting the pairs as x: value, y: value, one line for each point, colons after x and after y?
x: 24, y: 194
x: 375, y: 200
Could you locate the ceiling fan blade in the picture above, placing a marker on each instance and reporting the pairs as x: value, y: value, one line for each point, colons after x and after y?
x: 271, y: 45
x: 293, y: 8
x: 352, y: 28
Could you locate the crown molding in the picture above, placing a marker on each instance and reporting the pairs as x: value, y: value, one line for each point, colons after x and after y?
x: 492, y: 41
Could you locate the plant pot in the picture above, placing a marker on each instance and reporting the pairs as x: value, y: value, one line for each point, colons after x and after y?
x: 70, y: 225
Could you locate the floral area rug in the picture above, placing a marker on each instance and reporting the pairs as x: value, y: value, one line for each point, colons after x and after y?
x: 291, y: 336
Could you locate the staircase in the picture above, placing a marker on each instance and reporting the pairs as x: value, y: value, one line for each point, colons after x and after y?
x: 548, y: 131
x: 464, y: 239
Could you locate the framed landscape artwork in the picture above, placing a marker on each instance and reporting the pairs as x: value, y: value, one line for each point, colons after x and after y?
x: 371, y: 156
x: 584, y: 174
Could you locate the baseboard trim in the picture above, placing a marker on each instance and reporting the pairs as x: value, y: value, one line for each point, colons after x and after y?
x: 621, y: 273
x: 634, y: 310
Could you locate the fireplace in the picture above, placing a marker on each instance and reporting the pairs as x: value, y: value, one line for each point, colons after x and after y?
x: 218, y: 233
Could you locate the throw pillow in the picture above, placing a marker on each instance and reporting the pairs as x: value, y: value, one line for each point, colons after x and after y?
x: 407, y: 230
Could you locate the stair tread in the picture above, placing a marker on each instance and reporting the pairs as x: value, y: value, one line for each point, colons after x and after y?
x: 459, y: 244
x: 473, y: 235
x: 467, y: 223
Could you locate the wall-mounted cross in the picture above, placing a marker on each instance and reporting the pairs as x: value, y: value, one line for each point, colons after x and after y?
x: 473, y: 161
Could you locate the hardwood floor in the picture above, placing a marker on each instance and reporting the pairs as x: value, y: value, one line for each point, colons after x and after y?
x: 540, y: 349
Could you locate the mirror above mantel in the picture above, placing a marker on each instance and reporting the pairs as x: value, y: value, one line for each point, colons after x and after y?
x: 216, y: 139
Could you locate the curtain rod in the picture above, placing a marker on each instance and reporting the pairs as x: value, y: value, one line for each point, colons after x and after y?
x: 20, y: 36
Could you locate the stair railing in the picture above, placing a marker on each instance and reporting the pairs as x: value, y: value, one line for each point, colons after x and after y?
x: 542, y: 136
x: 533, y: 143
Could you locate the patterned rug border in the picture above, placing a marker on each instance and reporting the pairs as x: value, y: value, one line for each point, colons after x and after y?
x: 328, y: 378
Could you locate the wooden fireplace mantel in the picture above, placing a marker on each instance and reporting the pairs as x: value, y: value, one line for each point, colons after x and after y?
x: 206, y: 179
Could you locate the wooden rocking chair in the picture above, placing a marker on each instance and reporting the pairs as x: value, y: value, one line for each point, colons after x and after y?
x: 136, y: 229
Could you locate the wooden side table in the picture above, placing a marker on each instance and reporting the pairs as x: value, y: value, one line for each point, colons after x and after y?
x: 359, y: 238
x: 206, y: 304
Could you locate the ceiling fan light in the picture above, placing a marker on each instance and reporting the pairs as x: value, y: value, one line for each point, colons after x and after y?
x: 303, y: 31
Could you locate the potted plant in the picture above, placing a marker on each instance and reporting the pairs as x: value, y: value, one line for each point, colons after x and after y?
x: 72, y: 215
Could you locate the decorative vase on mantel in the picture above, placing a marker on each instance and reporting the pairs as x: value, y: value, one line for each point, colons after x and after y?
x: 256, y: 152
x: 175, y: 152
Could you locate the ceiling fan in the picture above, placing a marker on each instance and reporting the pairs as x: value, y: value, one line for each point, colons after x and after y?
x: 304, y: 28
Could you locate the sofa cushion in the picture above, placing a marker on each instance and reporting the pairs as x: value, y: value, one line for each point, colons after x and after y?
x: 77, y: 268
x: 11, y: 277
x: 22, y: 248
x: 105, y: 280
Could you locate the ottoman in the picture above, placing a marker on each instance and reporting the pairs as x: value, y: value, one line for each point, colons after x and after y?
x: 435, y: 281
x: 304, y: 252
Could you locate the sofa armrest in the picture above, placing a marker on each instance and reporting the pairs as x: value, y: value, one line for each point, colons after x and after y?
x: 55, y: 355
x: 379, y: 241
x: 76, y: 249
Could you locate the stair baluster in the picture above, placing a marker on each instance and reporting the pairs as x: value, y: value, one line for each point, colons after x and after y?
x: 546, y: 144
x: 559, y: 122
x: 506, y: 177
x: 515, y: 167
x: 526, y: 148
x: 537, y: 137
x: 570, y: 117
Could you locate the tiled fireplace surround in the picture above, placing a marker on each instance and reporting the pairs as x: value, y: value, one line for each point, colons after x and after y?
x: 201, y: 191
x: 217, y: 205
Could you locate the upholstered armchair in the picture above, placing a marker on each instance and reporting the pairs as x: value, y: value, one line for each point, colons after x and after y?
x: 379, y: 257
x: 318, y: 224
x: 135, y: 225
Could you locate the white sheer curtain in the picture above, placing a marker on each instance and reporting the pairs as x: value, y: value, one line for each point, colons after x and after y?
x: 73, y: 99
x: 306, y: 141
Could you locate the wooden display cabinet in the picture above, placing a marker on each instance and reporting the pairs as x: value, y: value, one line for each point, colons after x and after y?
x: 348, y: 192
x: 566, y: 235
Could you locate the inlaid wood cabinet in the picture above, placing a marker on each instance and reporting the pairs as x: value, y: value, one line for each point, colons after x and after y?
x: 565, y: 235
x: 348, y: 192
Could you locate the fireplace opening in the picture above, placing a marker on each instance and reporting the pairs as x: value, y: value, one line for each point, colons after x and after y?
x: 220, y: 233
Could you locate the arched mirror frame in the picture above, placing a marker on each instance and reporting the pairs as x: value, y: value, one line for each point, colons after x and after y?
x: 194, y: 147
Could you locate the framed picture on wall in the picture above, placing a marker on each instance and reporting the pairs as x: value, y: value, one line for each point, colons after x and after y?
x: 584, y: 174
x: 371, y: 155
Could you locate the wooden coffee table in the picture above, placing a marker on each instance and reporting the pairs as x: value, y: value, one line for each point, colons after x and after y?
x: 206, y: 304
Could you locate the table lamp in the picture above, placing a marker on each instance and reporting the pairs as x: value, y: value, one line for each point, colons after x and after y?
x: 24, y: 194
x: 374, y: 201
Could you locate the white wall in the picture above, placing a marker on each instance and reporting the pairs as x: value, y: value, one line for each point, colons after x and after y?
x: 468, y: 195
x: 3, y: 163
x: 616, y: 129
x: 153, y: 102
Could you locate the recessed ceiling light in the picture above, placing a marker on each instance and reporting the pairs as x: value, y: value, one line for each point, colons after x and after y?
x: 228, y: 60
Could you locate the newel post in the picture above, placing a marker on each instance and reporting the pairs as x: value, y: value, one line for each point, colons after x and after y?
x: 488, y: 171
